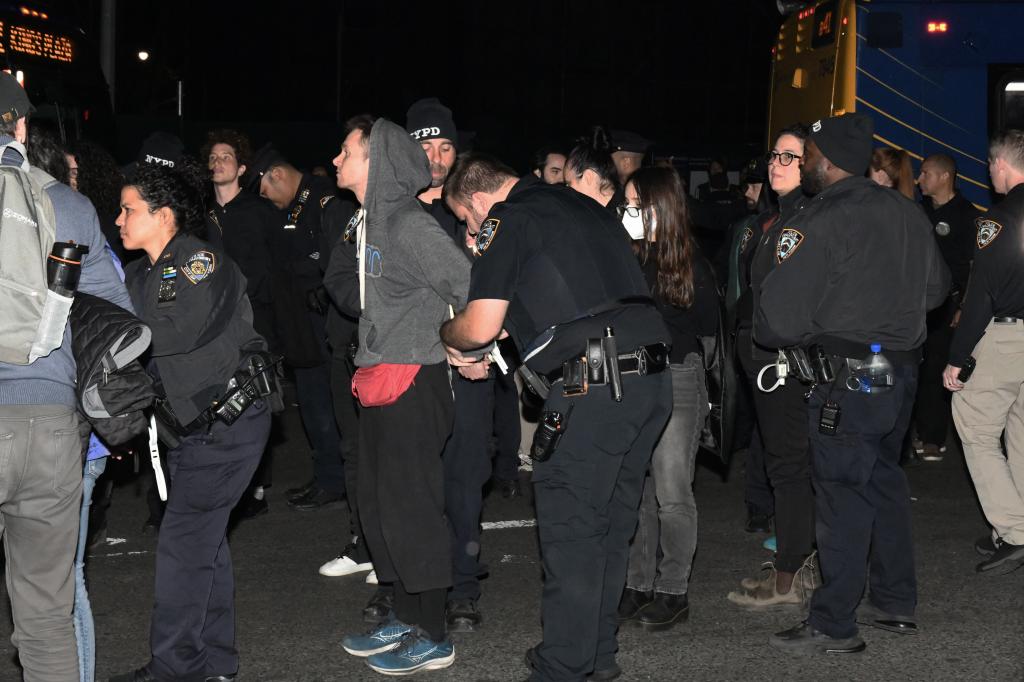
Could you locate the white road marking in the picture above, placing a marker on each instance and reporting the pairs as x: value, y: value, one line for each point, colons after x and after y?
x: 498, y: 525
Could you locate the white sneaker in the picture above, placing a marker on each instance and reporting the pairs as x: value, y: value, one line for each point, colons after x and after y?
x: 371, y: 577
x: 343, y: 565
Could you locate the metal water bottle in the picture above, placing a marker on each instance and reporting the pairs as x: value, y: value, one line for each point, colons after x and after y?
x: 63, y: 270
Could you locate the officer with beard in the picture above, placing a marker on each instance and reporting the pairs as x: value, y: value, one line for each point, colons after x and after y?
x: 855, y: 266
x: 467, y: 460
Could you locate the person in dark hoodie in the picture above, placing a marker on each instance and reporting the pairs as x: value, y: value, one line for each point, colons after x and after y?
x: 410, y: 275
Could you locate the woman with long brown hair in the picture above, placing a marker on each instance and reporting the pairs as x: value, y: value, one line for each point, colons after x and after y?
x: 891, y: 168
x: 683, y: 286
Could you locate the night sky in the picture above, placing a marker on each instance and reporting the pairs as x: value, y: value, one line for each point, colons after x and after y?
x: 692, y: 76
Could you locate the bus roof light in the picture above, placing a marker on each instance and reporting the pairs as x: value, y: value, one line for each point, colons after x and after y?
x: 938, y: 27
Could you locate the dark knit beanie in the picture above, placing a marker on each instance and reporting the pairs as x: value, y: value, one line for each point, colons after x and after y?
x: 428, y: 119
x: 845, y: 140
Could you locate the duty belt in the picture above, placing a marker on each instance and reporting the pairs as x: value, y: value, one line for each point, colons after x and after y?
x: 642, y: 360
x: 1006, y: 320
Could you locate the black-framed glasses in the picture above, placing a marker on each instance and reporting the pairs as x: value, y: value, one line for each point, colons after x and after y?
x: 784, y: 158
x: 631, y: 211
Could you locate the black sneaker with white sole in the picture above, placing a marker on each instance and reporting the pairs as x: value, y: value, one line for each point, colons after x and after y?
x: 1006, y: 559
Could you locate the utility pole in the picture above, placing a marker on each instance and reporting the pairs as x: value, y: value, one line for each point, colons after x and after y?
x: 108, y: 41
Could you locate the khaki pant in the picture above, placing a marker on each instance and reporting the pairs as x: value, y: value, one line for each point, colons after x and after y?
x: 40, y: 503
x: 991, y: 404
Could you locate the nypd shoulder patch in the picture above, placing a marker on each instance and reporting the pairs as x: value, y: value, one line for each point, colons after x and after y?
x: 488, y: 231
x: 199, y: 266
x: 789, y: 242
x: 747, y: 234
x: 988, y: 230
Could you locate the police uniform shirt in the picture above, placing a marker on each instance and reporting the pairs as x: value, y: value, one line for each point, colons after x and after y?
x: 558, y: 257
x: 856, y: 263
x: 305, y: 233
x: 193, y: 300
x: 996, y: 288
x: 955, y: 233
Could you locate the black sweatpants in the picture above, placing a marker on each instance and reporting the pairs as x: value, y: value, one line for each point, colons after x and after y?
x: 401, y: 484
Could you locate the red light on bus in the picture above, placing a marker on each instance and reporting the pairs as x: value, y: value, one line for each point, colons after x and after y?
x: 938, y: 27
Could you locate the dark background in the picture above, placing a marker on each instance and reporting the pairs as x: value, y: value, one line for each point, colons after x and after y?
x: 692, y: 76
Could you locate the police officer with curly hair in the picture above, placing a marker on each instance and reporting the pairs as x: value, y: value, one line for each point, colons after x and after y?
x: 213, y: 417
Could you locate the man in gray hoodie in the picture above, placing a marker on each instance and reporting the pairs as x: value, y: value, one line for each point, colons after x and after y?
x: 39, y: 507
x: 410, y: 273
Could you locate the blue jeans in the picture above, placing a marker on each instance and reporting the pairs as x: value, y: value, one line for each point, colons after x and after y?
x: 84, y: 631
x: 668, y: 512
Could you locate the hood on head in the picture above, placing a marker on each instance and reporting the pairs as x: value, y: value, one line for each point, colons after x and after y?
x: 399, y: 169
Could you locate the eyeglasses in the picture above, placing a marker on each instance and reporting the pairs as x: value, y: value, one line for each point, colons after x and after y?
x: 631, y: 211
x: 784, y: 158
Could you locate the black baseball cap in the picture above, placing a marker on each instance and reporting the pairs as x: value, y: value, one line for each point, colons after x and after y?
x: 14, y: 103
x: 628, y: 141
x: 262, y: 161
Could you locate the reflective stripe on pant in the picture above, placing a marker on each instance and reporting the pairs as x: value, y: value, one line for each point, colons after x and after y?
x: 991, y: 403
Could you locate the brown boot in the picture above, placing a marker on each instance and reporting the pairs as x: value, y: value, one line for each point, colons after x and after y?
x: 763, y: 594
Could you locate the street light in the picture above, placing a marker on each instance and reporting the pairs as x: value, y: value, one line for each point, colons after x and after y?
x: 143, y: 55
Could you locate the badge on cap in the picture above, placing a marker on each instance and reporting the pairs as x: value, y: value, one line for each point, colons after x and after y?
x: 988, y: 230
x: 199, y: 266
x: 789, y: 242
x: 486, y: 235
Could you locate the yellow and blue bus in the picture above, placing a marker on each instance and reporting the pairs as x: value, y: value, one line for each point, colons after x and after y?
x: 935, y: 76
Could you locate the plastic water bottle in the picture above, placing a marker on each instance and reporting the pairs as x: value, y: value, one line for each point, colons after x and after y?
x: 874, y: 375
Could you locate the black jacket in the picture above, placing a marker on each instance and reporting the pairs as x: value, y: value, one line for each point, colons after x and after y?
x: 113, y: 388
x: 193, y: 299
x: 242, y: 227
x: 856, y: 263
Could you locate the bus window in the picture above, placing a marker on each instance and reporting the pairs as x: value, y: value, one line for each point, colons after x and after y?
x: 1012, y: 103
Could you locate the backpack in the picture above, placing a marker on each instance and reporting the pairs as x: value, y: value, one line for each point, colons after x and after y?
x: 27, y: 232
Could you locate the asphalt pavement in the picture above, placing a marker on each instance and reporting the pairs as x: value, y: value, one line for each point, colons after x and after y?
x: 290, y: 620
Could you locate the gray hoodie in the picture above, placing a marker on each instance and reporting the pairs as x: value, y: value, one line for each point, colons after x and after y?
x: 414, y: 270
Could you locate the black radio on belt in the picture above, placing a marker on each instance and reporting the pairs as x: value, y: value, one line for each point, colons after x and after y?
x: 245, y: 387
x: 828, y: 419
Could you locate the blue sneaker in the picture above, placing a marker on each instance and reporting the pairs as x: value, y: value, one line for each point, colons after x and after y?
x: 384, y: 636
x: 770, y: 544
x: 415, y: 653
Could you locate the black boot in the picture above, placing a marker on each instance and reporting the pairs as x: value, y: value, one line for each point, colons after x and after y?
x: 632, y: 603
x: 665, y: 611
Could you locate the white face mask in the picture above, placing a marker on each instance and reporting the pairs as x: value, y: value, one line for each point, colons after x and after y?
x: 634, y: 224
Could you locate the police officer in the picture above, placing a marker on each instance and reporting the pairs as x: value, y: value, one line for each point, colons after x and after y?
x: 310, y: 220
x: 992, y: 329
x: 193, y: 299
x: 953, y: 218
x: 855, y: 266
x: 555, y: 272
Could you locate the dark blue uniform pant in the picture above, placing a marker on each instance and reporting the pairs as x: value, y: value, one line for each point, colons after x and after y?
x: 863, y: 505
x: 316, y: 407
x: 587, y: 496
x: 192, y: 634
x: 467, y: 466
x: 508, y: 429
